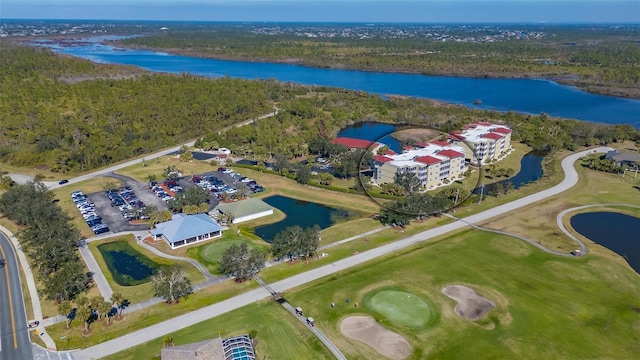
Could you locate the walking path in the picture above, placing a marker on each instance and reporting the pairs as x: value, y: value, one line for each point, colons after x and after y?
x: 319, y: 334
x: 180, y: 322
x: 530, y: 241
x: 583, y: 247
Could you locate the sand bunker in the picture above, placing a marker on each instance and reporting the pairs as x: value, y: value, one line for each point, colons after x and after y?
x: 471, y: 305
x: 367, y: 330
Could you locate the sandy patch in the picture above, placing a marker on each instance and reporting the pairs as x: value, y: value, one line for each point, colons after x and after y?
x: 367, y: 330
x: 471, y: 305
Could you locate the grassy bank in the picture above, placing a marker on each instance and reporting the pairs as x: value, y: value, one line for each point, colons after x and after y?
x: 144, y: 291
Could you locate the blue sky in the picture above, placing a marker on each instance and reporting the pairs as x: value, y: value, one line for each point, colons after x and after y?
x: 464, y: 11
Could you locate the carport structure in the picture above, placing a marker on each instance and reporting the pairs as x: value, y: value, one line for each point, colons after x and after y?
x: 184, y: 230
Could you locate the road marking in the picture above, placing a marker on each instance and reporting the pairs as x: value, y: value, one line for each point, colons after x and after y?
x: 13, y: 320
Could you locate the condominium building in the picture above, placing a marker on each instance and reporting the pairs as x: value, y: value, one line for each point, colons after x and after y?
x: 484, y: 141
x: 440, y: 162
x: 434, y: 163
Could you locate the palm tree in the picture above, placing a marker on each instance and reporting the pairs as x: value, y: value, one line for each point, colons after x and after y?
x: 168, y: 342
x: 117, y: 299
x: 85, y: 313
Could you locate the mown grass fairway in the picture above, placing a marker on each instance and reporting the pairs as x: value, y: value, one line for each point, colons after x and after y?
x: 279, y: 334
x: 571, y: 308
x: 565, y: 308
x: 403, y: 308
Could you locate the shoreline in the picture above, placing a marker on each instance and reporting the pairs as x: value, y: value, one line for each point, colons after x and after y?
x: 572, y: 80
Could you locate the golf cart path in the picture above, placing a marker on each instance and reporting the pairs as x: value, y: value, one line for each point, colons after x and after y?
x: 180, y: 322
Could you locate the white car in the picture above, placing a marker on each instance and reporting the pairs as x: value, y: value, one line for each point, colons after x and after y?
x: 247, y: 180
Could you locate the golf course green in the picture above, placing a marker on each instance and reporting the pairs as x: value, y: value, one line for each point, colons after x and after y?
x: 402, y: 308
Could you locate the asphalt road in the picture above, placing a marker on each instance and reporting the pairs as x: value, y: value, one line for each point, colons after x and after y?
x: 183, y: 321
x: 14, y: 333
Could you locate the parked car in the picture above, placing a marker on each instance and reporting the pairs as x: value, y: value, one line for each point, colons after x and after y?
x: 62, y: 182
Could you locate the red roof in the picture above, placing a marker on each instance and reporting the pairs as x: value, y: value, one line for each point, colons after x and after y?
x: 408, y: 147
x: 389, y: 152
x: 422, y: 144
x: 493, y: 136
x: 456, y: 132
x: 470, y: 126
x: 429, y: 160
x: 484, y: 123
x: 382, y: 158
x: 456, y: 137
x: 353, y: 143
x: 502, y: 130
x: 450, y: 153
x: 440, y: 143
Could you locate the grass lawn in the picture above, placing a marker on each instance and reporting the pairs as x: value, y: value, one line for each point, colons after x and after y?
x: 209, y: 254
x: 563, y: 307
x: 279, y: 334
x: 280, y: 185
x: 347, y: 229
x: 141, y: 171
x: 136, y: 320
x: 144, y: 291
x: 538, y: 221
x: 571, y: 308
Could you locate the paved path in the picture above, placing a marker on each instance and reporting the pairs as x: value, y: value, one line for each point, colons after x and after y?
x: 530, y: 241
x: 96, y: 273
x: 319, y: 334
x: 186, y: 320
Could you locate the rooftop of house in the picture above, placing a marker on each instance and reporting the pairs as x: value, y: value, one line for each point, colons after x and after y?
x: 184, y: 226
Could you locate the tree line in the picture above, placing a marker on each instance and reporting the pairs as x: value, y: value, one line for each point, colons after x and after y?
x: 75, y: 127
x: 604, y: 58
x: 48, y: 238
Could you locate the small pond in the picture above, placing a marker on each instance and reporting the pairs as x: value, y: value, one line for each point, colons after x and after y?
x: 530, y: 171
x: 617, y: 232
x: 128, y: 266
x: 302, y: 213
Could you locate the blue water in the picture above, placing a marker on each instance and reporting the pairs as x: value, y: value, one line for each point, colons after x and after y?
x: 617, y: 232
x: 530, y: 171
x: 373, y: 132
x: 520, y: 95
x: 302, y: 213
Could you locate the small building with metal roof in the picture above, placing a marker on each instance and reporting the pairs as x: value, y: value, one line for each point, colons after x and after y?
x: 185, y: 230
x: 245, y: 210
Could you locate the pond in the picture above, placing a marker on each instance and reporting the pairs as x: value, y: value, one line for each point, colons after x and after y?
x: 302, y: 213
x: 617, y: 232
x: 128, y: 266
x: 530, y: 171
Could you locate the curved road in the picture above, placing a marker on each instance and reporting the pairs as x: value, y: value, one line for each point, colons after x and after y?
x: 583, y: 247
x: 183, y: 321
x: 14, y: 334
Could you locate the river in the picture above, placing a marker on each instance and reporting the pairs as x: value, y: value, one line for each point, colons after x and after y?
x: 532, y: 96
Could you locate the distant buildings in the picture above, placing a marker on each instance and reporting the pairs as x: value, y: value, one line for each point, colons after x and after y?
x: 440, y: 162
x: 627, y: 159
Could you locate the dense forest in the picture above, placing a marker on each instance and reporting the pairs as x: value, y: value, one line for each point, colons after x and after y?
x: 598, y: 59
x: 115, y: 113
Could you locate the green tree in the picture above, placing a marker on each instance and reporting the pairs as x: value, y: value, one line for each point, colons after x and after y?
x: 185, y: 154
x: 294, y: 241
x: 171, y: 283
x: 326, y: 179
x: 64, y: 308
x: 241, y: 262
x: 6, y: 182
x: 409, y: 182
x: 171, y: 172
x: 303, y: 175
